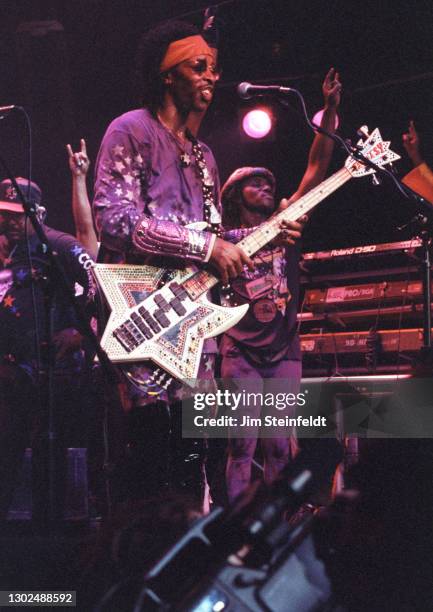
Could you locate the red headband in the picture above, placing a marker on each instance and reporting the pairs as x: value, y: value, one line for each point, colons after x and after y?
x: 181, y: 50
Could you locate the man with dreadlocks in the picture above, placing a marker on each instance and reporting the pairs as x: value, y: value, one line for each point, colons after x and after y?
x: 265, y: 344
x: 153, y: 177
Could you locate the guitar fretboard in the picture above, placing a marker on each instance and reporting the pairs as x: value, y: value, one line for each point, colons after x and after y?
x: 269, y: 230
x: 198, y: 284
x: 202, y: 281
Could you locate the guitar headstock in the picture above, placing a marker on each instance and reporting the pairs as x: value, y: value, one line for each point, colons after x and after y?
x: 373, y: 148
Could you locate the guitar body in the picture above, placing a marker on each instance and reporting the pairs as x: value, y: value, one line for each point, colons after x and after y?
x: 178, y: 343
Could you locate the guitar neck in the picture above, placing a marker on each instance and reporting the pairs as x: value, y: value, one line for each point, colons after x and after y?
x: 202, y: 281
x: 270, y: 229
x: 199, y: 283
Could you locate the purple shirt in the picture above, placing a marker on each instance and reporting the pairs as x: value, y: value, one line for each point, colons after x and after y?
x: 139, y: 171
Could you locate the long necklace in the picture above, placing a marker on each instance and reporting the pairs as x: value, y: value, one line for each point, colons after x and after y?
x: 210, y: 211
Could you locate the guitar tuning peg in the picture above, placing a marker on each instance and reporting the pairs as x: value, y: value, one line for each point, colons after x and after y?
x: 359, y: 145
x: 160, y: 380
x: 363, y: 131
x: 167, y: 382
x: 153, y: 376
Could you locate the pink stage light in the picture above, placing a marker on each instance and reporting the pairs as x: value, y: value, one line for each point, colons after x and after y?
x: 317, y: 119
x: 257, y: 123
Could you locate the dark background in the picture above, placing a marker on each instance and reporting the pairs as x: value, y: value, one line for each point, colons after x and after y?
x: 74, y: 78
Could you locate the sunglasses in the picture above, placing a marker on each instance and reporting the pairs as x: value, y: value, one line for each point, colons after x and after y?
x: 201, y: 66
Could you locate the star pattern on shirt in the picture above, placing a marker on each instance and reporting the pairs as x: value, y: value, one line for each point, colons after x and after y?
x: 8, y: 301
x: 124, y: 169
x: 125, y: 190
x: 208, y: 364
x: 118, y: 149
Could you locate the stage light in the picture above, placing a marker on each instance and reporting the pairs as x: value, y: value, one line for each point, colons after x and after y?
x: 317, y: 119
x: 257, y: 123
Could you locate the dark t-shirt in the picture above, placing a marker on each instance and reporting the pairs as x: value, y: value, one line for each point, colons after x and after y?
x: 268, y: 332
x: 17, y: 314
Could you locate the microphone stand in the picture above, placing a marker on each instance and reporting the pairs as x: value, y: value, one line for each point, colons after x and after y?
x: 111, y: 373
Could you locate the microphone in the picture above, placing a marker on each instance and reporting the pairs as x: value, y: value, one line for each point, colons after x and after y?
x: 5, y: 110
x: 247, y: 90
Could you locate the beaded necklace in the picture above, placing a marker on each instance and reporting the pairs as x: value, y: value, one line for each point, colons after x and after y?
x: 210, y: 211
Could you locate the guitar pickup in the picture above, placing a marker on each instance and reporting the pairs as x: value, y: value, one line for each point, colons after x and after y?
x: 149, y: 320
x: 177, y: 306
x: 141, y: 325
x: 178, y: 291
x: 134, y: 331
x: 162, y: 319
x: 125, y: 338
x: 161, y: 302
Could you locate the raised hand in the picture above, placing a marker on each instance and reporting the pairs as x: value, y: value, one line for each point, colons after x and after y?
x: 79, y: 163
x: 411, y: 143
x: 332, y: 88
